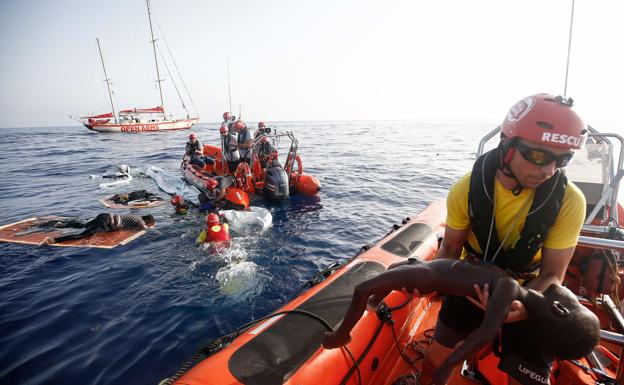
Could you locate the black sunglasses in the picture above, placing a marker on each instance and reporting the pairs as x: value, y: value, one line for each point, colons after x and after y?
x: 541, y: 157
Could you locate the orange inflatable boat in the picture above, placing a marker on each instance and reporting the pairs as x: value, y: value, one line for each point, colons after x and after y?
x: 388, y: 345
x: 266, y: 176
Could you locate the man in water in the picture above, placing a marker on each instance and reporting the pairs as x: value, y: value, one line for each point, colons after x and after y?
x: 101, y: 223
x: 217, y: 234
x: 517, y: 210
x: 560, y: 326
x: 178, y: 201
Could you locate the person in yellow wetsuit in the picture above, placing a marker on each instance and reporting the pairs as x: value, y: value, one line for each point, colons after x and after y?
x: 516, y: 210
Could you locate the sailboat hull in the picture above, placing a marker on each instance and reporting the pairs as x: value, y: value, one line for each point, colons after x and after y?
x: 168, y: 125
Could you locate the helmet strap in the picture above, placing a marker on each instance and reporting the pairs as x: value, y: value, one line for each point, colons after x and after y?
x: 507, y: 150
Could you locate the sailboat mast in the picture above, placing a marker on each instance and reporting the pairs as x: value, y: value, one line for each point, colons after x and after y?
x: 107, y: 80
x: 229, y: 90
x: 158, y: 79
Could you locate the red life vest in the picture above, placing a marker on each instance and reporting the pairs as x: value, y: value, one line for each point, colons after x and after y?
x: 217, y: 233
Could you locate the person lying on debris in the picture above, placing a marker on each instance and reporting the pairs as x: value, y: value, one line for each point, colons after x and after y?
x: 101, y: 223
x: 561, y: 327
x: 137, y: 195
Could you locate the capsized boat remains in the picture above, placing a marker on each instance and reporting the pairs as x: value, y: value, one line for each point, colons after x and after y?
x: 388, y: 344
x: 267, y: 177
x: 139, y: 119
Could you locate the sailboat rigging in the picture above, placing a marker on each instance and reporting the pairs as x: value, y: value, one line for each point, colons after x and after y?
x: 139, y: 119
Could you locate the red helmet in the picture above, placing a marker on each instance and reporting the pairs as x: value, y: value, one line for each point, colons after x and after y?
x: 212, y: 219
x: 227, y: 115
x: 223, y: 130
x: 192, y: 136
x: 239, y: 124
x: 546, y: 119
x: 211, y: 184
x: 261, y: 125
x: 177, y: 200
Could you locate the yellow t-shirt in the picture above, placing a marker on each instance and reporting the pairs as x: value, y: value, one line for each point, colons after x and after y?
x: 562, y: 235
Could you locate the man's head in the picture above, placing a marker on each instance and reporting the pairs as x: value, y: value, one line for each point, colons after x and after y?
x: 261, y: 125
x: 539, y: 135
x: 223, y: 130
x: 563, y: 327
x: 192, y: 137
x: 239, y: 125
x: 227, y: 115
x: 148, y: 219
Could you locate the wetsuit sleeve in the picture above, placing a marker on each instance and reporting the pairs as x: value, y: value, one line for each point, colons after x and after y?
x: 565, y: 232
x: 201, y: 237
x: 457, y: 204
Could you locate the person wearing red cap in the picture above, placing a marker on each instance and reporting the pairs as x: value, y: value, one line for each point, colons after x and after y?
x: 216, y: 233
x: 262, y: 130
x: 217, y: 188
x: 244, y: 142
x: 230, y: 148
x: 194, y: 152
x: 181, y: 207
x: 264, y: 150
x: 516, y: 210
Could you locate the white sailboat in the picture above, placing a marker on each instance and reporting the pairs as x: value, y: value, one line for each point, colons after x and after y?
x: 138, y: 119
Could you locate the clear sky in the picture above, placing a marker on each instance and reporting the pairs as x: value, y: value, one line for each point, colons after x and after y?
x: 312, y: 60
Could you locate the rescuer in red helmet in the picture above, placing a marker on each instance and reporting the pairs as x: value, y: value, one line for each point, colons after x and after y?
x: 217, y: 188
x: 216, y: 232
x: 194, y: 152
x: 262, y: 130
x: 517, y: 210
x: 244, y: 141
x: 181, y: 207
x: 230, y: 147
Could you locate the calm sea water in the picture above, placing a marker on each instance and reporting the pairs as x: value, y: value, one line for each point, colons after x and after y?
x: 136, y: 312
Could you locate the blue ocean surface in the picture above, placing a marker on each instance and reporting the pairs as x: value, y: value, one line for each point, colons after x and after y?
x: 135, y: 313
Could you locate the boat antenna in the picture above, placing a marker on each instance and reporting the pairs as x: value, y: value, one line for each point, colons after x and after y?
x: 565, y: 87
x: 240, y: 112
x: 107, y: 80
x: 228, y: 77
x: 158, y: 79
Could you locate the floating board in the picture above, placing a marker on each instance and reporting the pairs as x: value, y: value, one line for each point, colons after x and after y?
x: 108, y: 202
x: 27, y: 232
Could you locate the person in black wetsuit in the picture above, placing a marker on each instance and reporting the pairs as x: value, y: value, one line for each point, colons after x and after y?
x: 101, y: 223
